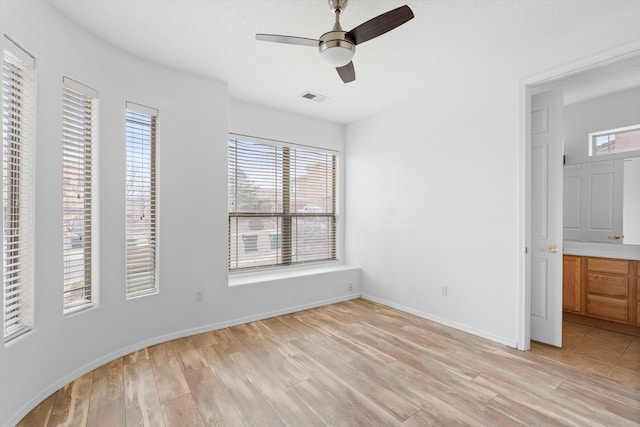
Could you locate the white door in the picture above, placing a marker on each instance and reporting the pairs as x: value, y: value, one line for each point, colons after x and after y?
x: 546, y: 217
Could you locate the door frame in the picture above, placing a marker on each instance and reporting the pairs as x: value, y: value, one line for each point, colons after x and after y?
x: 524, y: 124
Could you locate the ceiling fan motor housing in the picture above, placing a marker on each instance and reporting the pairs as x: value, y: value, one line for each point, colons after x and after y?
x: 336, y: 49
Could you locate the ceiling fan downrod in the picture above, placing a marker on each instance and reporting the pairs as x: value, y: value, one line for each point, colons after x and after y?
x: 335, y: 48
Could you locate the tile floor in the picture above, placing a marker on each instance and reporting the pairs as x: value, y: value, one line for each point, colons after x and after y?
x: 597, y: 351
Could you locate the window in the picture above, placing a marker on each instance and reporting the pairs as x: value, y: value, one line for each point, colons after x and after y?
x: 17, y: 188
x: 281, y: 204
x: 79, y: 193
x: 141, y: 238
x: 614, y: 141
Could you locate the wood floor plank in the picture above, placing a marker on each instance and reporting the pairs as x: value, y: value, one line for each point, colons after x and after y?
x: 181, y: 412
x: 136, y: 356
x: 377, y: 392
x: 170, y: 381
x: 142, y: 405
x: 161, y: 351
x: 542, y: 402
x: 365, y: 410
x: 71, y: 406
x: 251, y: 405
x: 106, y: 406
x: 214, y: 405
x: 327, y: 408
x: 188, y: 354
x: 40, y: 415
x: 286, y: 404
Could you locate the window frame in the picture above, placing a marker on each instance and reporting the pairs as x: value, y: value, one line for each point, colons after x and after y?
x: 80, y: 132
x: 593, y: 135
x: 288, y: 215
x: 18, y: 66
x: 136, y: 269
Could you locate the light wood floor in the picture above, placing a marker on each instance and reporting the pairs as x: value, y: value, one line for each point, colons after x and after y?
x: 598, y: 351
x: 353, y: 363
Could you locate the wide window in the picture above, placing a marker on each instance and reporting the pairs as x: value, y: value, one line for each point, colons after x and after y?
x: 17, y: 188
x: 79, y: 193
x: 614, y: 141
x: 141, y: 235
x: 281, y: 204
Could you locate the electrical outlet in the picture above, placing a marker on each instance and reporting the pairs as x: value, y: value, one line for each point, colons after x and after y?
x: 444, y: 290
x: 199, y: 296
x: 350, y: 287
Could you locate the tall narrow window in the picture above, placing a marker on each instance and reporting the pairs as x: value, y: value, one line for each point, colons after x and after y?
x: 141, y: 200
x: 79, y: 140
x: 281, y: 204
x: 17, y: 188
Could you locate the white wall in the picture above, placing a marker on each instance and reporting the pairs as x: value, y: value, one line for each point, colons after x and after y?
x: 433, y: 200
x: 612, y: 111
x: 193, y: 127
x: 436, y: 187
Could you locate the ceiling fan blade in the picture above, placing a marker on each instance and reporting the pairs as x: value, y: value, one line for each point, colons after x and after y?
x: 301, y: 41
x: 347, y: 73
x: 380, y: 24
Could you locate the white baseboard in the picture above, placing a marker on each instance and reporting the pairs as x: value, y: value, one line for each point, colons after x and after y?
x: 28, y: 407
x: 455, y: 325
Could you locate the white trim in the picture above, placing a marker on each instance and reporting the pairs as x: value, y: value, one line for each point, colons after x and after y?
x: 614, y: 54
x: 142, y: 109
x: 88, y: 367
x: 283, y: 273
x: 455, y: 325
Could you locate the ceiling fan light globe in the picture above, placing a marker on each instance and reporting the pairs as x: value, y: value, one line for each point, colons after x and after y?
x: 337, y: 56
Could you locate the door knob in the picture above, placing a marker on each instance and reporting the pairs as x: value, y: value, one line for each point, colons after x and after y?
x: 553, y: 249
x: 616, y: 237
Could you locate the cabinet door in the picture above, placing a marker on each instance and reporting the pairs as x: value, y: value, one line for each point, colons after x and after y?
x: 571, y: 283
x: 638, y: 293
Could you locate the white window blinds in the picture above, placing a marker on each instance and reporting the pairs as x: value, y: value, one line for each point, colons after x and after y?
x: 79, y: 193
x: 17, y: 188
x: 141, y: 125
x: 281, y: 204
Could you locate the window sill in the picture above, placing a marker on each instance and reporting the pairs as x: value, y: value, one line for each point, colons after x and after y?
x: 250, y: 278
x: 78, y: 307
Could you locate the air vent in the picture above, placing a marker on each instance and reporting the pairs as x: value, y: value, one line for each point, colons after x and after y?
x: 314, y: 97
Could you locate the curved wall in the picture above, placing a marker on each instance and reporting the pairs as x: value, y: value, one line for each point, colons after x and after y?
x: 193, y: 127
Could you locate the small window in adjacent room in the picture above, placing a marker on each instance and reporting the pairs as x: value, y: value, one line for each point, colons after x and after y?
x: 141, y: 234
x: 79, y: 194
x: 281, y: 204
x: 614, y: 141
x: 17, y: 188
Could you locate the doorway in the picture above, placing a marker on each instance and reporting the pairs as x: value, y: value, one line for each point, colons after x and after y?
x: 553, y: 79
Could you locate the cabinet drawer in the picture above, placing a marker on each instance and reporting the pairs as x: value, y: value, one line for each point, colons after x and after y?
x: 608, y: 308
x: 606, y: 265
x: 611, y: 286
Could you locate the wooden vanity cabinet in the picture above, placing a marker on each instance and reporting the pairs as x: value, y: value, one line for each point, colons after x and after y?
x: 571, y: 270
x: 608, y: 289
x: 602, y: 288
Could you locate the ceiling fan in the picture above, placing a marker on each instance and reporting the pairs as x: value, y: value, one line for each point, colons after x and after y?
x: 338, y: 46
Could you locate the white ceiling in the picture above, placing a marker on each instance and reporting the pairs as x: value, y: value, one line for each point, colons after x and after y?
x: 216, y: 38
